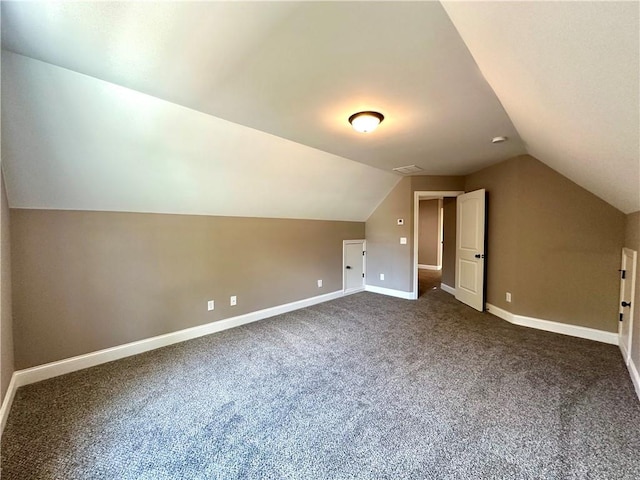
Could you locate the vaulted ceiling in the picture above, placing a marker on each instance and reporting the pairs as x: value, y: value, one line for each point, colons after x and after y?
x: 240, y: 108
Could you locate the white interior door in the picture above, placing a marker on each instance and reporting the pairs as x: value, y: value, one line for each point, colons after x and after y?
x: 353, y: 277
x: 470, y: 249
x: 627, y: 290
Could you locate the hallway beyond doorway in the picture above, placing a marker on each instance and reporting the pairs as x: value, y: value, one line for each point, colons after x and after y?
x: 428, y: 280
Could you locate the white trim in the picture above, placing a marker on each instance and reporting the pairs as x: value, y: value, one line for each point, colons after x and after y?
x: 556, y: 327
x: 429, y: 267
x: 61, y: 367
x: 417, y: 196
x: 498, y: 312
x: 635, y: 377
x: 7, y: 402
x: 390, y: 292
x: 446, y: 288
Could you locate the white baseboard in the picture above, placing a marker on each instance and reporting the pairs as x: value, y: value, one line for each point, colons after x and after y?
x: 390, y: 292
x: 556, y: 327
x: 68, y: 365
x: 61, y: 367
x: 446, y: 288
x: 635, y: 377
x: 498, y: 312
x: 7, y: 402
x: 429, y: 267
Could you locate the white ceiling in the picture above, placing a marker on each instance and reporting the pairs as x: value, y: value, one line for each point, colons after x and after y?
x: 567, y: 75
x: 294, y: 69
x: 74, y: 142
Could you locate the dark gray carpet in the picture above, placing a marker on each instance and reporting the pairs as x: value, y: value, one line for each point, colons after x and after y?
x: 366, y: 387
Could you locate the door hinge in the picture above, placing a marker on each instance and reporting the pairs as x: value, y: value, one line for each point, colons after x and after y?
x: 621, y: 315
x: 623, y: 274
x: 363, y: 252
x: 363, y: 275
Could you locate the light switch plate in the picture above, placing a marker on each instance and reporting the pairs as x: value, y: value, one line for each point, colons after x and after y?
x: 403, y: 240
x: 210, y: 305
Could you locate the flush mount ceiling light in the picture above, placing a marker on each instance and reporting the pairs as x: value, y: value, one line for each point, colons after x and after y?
x: 498, y: 139
x: 365, y: 122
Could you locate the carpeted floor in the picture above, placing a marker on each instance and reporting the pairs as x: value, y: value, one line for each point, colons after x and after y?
x: 364, y: 387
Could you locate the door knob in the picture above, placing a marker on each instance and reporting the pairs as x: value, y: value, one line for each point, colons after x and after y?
x: 626, y: 304
x: 479, y: 255
x: 348, y: 267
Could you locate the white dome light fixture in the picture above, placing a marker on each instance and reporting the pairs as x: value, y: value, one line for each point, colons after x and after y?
x: 365, y: 122
x: 499, y: 139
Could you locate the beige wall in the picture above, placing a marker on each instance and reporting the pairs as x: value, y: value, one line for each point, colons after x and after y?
x: 84, y: 281
x: 6, y: 320
x: 569, y: 244
x: 632, y: 241
x: 384, y: 252
x: 449, y: 241
x: 428, y: 232
x: 434, y: 183
x: 551, y: 243
x: 501, y: 184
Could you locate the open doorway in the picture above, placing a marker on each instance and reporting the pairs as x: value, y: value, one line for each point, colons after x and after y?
x: 430, y: 239
x: 434, y: 240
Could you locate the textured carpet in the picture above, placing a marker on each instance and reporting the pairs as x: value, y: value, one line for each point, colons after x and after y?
x: 363, y: 387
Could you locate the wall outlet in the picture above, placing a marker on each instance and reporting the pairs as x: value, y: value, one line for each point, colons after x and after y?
x: 319, y: 283
x: 234, y: 301
x: 401, y: 221
x: 210, y: 305
x: 508, y: 296
x: 403, y: 240
x: 382, y: 276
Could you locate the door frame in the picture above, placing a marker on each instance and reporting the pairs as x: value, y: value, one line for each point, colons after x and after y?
x: 626, y: 352
x: 417, y: 196
x: 344, y: 265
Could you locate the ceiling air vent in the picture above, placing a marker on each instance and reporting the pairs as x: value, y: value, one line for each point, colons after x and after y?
x: 408, y: 170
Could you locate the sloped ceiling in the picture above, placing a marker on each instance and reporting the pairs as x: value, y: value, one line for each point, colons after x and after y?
x: 74, y: 142
x: 297, y: 70
x: 568, y: 75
